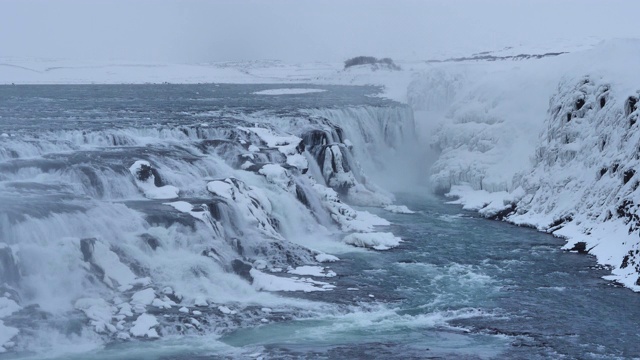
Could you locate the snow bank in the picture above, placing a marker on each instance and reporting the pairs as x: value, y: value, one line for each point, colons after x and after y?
x: 376, y: 241
x: 309, y: 270
x: 268, y: 282
x: 583, y: 185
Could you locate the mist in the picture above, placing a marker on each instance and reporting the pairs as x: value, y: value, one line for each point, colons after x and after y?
x: 202, y: 31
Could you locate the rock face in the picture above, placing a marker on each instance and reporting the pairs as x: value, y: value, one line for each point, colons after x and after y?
x: 582, y: 181
x: 583, y: 184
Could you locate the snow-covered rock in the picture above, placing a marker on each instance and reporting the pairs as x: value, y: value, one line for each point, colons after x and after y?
x: 144, y: 325
x: 149, y: 181
x: 583, y: 185
x: 399, y: 209
x: 375, y: 240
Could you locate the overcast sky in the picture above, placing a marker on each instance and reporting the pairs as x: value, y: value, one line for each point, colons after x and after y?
x: 297, y: 30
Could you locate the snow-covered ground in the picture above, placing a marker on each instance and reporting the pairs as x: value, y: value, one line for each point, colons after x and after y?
x: 540, y: 136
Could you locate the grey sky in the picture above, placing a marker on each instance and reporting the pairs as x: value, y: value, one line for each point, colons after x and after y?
x: 296, y: 30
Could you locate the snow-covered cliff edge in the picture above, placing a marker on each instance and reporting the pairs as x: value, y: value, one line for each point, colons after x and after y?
x: 579, y: 180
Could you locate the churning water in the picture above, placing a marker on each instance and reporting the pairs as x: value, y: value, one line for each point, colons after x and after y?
x: 83, y: 239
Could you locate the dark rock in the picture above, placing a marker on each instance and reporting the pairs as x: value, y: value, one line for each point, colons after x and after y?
x: 503, y: 214
x: 215, y: 211
x: 242, y: 269
x: 628, y: 175
x: 614, y: 167
x: 146, y: 171
x: 603, y: 171
x: 153, y: 242
x: 579, y: 104
x: 237, y: 245
x: 302, y: 197
x: 630, y: 105
x: 9, y: 271
x: 87, y: 247
x: 625, y: 261
x: 212, y: 253
x: 580, y: 247
x: 558, y: 223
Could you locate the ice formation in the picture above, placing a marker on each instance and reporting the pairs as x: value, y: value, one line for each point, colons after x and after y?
x: 163, y: 229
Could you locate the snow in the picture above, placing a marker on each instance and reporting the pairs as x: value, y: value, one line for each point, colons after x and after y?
x: 309, y: 270
x: 268, y: 282
x: 326, y: 258
x: 292, y: 91
x: 186, y: 207
x: 567, y: 166
x: 399, y: 209
x: 143, y: 297
x: 251, y: 203
x: 144, y: 325
x: 376, y: 241
x: 99, y: 312
x: 225, y: 310
x: 487, y: 203
x: 287, y: 144
x: 115, y: 272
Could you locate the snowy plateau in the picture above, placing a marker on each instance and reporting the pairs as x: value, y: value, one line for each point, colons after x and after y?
x: 543, y: 138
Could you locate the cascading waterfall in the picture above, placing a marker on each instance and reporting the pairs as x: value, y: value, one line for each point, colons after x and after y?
x: 117, y: 228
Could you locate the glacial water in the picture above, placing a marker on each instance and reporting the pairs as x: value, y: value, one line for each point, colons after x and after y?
x: 457, y: 287
x: 463, y: 287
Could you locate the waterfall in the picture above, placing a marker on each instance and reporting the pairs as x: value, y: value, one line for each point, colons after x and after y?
x: 116, y: 226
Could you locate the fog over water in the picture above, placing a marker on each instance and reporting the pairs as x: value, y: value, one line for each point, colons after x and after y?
x: 201, y: 31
